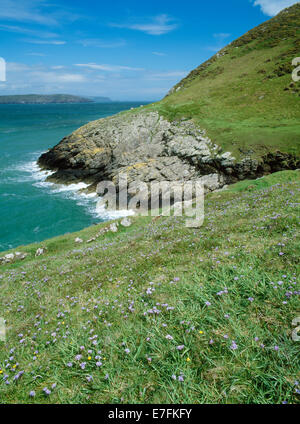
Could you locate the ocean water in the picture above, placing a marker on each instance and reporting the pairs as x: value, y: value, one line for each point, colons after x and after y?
x: 31, y: 209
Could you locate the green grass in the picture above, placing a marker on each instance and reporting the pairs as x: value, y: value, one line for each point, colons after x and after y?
x: 58, y: 302
x: 246, y: 99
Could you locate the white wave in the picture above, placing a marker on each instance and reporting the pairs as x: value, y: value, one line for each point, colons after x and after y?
x: 102, y: 212
x: 70, y: 187
x: 31, y: 172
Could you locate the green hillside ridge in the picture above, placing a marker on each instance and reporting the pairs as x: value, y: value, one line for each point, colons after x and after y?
x: 161, y: 313
x: 244, y: 95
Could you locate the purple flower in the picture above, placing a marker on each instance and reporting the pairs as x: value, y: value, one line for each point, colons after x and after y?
x: 181, y: 378
x: 233, y: 346
x: 250, y: 299
x: 127, y: 350
x: 169, y: 337
x: 276, y: 348
x: 207, y: 303
x: 89, y: 378
x: 180, y: 347
x: 46, y: 391
x: 98, y: 364
x: 32, y: 393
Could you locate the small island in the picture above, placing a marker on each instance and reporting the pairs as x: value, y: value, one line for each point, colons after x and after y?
x: 43, y: 99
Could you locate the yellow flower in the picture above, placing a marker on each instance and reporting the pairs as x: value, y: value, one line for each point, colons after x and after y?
x: 1, y: 371
x: 14, y: 366
x: 63, y: 322
x: 200, y: 332
x: 187, y: 359
x: 89, y: 358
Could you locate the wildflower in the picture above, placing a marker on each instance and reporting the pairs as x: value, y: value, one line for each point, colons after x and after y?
x: 89, y: 378
x: 201, y: 332
x: 211, y: 341
x: 187, y: 359
x: 181, y: 378
x: 127, y: 350
x: 207, y: 303
x: 250, y: 299
x: 32, y: 393
x: 89, y: 358
x: 276, y: 348
x: 174, y: 377
x: 169, y: 337
x: 98, y: 364
x: 233, y: 346
x: 180, y: 347
x: 46, y: 391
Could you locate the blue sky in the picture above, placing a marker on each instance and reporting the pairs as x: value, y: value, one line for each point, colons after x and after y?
x: 126, y: 50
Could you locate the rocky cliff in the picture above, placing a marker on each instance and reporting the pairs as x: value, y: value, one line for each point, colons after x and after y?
x: 148, y: 148
x: 230, y: 119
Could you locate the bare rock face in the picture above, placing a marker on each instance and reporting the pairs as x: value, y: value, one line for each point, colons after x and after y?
x: 146, y: 147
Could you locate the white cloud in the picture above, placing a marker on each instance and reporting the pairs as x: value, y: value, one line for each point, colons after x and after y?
x: 104, y: 44
x: 161, y: 24
x: 272, y: 7
x: 16, y: 67
x: 25, y: 11
x: 53, y: 42
x: 26, y: 31
x: 108, y: 68
x: 50, y: 77
x: 158, y: 54
x: 35, y: 11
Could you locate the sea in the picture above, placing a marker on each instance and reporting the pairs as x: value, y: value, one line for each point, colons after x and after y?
x: 32, y: 209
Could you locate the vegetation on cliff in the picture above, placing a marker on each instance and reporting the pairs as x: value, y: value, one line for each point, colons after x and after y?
x: 244, y: 96
x: 161, y: 313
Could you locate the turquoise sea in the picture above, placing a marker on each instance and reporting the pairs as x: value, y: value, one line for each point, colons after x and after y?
x: 31, y: 209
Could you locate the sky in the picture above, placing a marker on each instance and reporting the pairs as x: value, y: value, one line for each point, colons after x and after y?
x: 122, y: 49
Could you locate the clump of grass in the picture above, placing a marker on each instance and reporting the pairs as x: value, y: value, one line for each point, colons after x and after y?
x: 159, y: 312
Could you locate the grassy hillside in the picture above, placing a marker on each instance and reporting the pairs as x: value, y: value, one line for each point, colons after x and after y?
x: 244, y: 96
x: 159, y: 312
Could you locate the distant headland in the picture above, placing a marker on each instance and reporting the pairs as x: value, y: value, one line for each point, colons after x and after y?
x: 49, y: 98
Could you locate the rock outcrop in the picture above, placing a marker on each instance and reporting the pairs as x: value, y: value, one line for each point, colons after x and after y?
x: 149, y: 148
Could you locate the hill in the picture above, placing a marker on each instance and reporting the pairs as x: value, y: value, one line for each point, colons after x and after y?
x: 161, y: 313
x: 236, y: 116
x: 43, y: 99
x: 244, y: 96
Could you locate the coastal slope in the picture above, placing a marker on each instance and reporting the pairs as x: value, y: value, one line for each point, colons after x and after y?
x: 234, y: 117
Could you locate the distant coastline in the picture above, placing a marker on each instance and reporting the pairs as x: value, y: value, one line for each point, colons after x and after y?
x: 50, y: 98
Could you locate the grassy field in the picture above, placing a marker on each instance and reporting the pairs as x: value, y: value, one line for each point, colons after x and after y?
x: 159, y: 312
x: 245, y: 96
